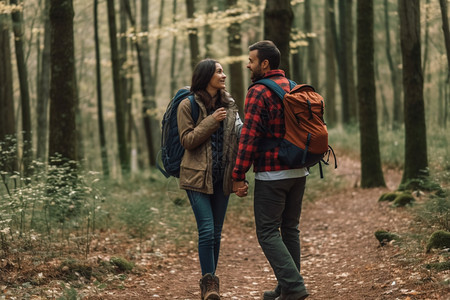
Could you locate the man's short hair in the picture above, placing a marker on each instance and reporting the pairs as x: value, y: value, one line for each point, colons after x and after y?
x: 267, y: 50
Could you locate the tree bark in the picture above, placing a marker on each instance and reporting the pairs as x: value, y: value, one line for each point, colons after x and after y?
x: 119, y: 107
x: 27, y: 153
x: 395, y: 73
x: 278, y: 17
x: 63, y: 135
x: 371, y: 172
x: 416, y: 161
x: 43, y: 87
x: 313, y: 67
x: 330, y: 67
x: 446, y: 31
x: 193, y: 35
x: 8, y: 163
x: 236, y: 77
x: 101, y: 124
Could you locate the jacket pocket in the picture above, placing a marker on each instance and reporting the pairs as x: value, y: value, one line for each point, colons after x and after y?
x: 193, y: 178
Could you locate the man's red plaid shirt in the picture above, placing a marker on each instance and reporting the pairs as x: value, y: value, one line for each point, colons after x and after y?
x: 264, y: 118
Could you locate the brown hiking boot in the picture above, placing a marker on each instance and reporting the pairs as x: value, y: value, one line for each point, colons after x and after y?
x: 209, y: 286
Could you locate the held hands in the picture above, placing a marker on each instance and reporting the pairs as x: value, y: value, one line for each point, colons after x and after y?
x: 220, y: 114
x: 240, y: 188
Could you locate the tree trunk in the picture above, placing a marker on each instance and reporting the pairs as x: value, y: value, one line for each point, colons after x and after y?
x: 416, y: 161
x: 342, y: 62
x: 63, y: 133
x: 395, y: 73
x: 313, y: 67
x: 101, y: 124
x: 298, y: 57
x: 371, y: 172
x: 446, y: 31
x: 119, y: 107
x: 349, y: 52
x: 193, y: 37
x: 8, y: 164
x: 236, y: 77
x: 278, y: 17
x: 43, y: 87
x: 27, y: 153
x: 330, y: 67
x: 173, y: 57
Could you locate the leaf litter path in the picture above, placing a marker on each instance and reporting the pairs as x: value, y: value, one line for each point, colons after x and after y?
x: 341, y: 259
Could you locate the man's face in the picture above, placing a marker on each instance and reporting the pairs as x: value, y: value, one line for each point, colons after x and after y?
x: 255, y: 66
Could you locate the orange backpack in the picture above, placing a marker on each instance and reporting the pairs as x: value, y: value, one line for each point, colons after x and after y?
x: 305, y: 142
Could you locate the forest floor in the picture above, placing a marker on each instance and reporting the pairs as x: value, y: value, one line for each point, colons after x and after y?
x: 341, y: 259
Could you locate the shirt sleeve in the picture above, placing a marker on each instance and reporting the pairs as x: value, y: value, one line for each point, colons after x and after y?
x: 248, y: 142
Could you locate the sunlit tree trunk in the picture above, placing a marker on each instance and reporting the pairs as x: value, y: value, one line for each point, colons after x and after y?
x: 43, y: 94
x: 416, y: 161
x: 236, y: 77
x: 63, y: 135
x: 397, y: 115
x: 313, y: 66
x: 8, y: 164
x: 101, y: 124
x: 446, y: 31
x: 371, y: 172
x: 298, y: 53
x: 193, y: 35
x: 349, y: 52
x: 27, y: 153
x: 124, y: 156
x: 278, y: 17
x: 330, y: 67
x: 173, y: 52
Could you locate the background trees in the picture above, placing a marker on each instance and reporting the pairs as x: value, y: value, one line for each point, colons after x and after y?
x: 151, y: 55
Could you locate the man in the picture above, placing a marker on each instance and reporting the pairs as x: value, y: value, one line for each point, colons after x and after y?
x: 278, y: 188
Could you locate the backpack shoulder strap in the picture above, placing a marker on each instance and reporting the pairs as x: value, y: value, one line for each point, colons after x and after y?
x: 274, y: 87
x: 194, y: 108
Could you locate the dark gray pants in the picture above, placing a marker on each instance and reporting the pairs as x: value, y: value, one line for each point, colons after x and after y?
x: 278, y: 206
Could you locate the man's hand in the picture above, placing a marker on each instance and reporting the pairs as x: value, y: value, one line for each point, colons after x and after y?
x: 240, y: 188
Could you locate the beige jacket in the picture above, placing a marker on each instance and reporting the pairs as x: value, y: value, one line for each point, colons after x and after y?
x: 196, y: 165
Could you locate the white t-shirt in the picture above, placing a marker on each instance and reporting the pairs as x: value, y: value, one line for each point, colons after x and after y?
x: 283, y: 174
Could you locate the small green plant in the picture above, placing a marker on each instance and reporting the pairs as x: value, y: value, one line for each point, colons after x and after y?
x: 439, y: 239
x: 122, y: 264
x: 384, y: 237
x: 403, y: 199
x: 69, y: 293
x: 439, y: 266
x: 388, y: 197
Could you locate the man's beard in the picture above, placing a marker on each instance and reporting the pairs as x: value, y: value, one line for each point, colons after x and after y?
x: 257, y: 75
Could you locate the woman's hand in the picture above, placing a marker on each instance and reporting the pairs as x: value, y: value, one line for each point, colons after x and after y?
x: 220, y: 114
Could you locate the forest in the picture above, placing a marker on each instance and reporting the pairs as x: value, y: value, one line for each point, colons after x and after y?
x: 84, y: 86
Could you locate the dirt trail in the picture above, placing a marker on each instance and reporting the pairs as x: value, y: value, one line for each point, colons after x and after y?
x: 341, y: 258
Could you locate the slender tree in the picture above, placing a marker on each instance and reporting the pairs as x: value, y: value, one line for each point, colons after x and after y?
x: 193, y: 35
x: 43, y: 88
x: 313, y: 66
x: 395, y: 72
x: 416, y: 161
x: 330, y: 67
x: 27, y: 153
x: 278, y: 17
x: 8, y: 163
x: 371, y: 172
x: 119, y: 107
x: 63, y: 136
x: 173, y: 52
x: 101, y: 124
x: 446, y: 31
x: 235, y: 50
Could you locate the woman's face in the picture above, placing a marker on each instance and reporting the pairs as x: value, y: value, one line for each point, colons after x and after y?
x: 217, y: 81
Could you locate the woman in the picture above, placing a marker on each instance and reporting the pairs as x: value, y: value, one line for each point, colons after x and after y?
x: 210, y: 153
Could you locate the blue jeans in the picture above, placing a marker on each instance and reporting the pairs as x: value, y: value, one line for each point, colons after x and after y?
x: 209, y: 211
